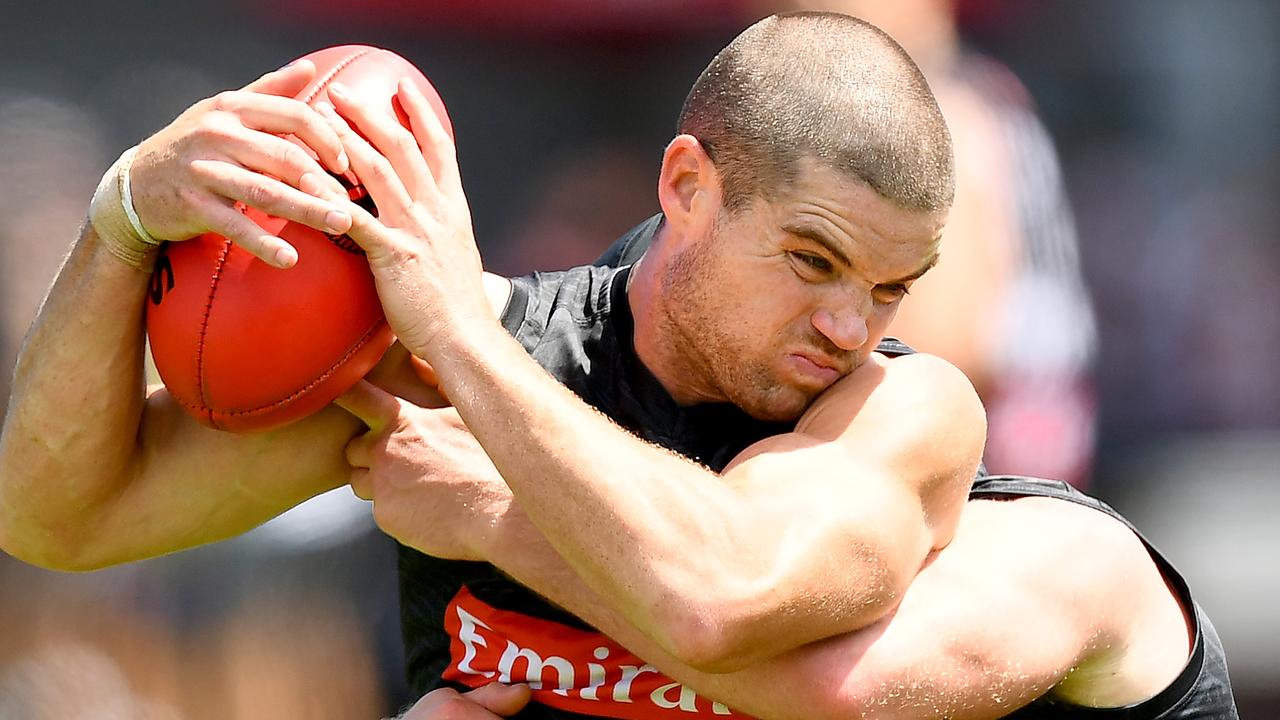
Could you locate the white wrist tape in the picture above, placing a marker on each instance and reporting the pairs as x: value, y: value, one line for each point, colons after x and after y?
x: 112, y: 215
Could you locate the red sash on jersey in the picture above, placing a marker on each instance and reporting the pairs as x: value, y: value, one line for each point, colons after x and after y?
x: 570, y: 669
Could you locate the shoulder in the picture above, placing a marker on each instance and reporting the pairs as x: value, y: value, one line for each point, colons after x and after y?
x: 900, y: 397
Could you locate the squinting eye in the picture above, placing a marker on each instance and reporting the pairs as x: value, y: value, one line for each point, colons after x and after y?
x: 820, y: 264
x: 886, y: 294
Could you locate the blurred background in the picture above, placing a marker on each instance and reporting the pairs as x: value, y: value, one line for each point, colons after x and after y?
x: 1110, y: 280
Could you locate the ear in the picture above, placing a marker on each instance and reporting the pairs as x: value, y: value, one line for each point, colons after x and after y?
x: 688, y: 186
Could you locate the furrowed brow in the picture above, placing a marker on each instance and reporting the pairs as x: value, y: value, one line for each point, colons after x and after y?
x: 810, y: 233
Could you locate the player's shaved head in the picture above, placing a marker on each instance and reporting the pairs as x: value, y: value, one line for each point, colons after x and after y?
x: 828, y: 86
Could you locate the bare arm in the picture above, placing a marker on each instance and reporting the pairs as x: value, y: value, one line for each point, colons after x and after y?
x: 93, y: 469
x: 808, y: 534
x: 1005, y: 614
x: 804, y: 537
x: 1033, y: 596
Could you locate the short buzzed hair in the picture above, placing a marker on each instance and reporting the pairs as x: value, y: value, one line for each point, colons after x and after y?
x: 823, y: 85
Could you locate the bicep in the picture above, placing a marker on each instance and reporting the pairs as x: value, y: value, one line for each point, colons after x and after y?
x: 877, y: 470
x: 985, y: 628
x: 192, y: 485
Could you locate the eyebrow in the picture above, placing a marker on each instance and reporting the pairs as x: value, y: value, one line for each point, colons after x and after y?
x: 810, y: 233
x: 926, y: 267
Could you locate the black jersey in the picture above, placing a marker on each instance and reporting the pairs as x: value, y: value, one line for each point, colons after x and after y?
x: 465, y: 623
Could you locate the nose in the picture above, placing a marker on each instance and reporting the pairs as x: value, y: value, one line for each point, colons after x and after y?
x: 846, y: 327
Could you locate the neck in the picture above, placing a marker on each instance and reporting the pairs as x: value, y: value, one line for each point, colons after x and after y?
x: 655, y: 335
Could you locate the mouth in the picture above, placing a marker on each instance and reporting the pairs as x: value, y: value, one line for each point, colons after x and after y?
x: 815, y: 369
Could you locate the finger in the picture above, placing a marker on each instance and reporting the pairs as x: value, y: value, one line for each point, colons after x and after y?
x: 374, y: 406
x: 361, y: 484
x: 287, y: 81
x: 368, y: 232
x: 437, y: 147
x: 447, y: 704
x: 286, y: 116
x: 505, y: 700
x: 374, y: 169
x: 385, y: 133
x: 272, y: 196
x: 233, y: 225
x: 282, y: 159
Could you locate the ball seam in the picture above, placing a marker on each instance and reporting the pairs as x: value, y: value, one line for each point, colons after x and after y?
x: 204, y: 326
x: 328, y: 77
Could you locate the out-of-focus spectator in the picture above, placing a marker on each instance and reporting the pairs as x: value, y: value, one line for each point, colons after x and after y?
x: 576, y: 209
x: 50, y: 152
x: 1006, y: 302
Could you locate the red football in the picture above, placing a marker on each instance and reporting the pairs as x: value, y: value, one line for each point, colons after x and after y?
x: 244, y: 346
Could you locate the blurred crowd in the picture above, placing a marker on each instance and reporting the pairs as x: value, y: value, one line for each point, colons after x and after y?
x: 1110, y: 281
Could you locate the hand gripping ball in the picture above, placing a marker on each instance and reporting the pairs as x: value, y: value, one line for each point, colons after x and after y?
x: 243, y: 346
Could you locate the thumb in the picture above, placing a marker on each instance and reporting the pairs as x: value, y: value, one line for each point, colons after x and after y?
x: 504, y: 700
x: 288, y: 81
x: 371, y: 404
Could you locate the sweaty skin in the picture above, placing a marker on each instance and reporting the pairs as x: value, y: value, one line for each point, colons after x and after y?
x: 95, y: 468
x: 114, y: 488
x: 1003, y: 615
x: 784, y: 563
x: 129, y: 475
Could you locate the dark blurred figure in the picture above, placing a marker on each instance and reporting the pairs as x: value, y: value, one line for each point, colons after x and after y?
x: 1006, y: 302
x: 576, y: 206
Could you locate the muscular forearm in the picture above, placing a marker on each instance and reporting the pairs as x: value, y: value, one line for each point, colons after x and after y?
x: 709, y: 572
x: 795, y: 684
x: 93, y: 472
x: 986, y: 628
x: 77, y: 398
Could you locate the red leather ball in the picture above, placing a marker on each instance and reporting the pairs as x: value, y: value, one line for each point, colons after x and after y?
x: 243, y: 346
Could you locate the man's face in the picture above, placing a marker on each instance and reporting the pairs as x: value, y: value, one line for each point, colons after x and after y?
x: 787, y: 296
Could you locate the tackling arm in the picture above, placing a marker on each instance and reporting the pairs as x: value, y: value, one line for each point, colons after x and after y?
x: 987, y: 626
x: 818, y: 531
x: 807, y: 535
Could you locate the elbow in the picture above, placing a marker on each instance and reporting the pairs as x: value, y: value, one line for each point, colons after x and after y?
x: 46, y: 547
x: 48, y: 554
x: 724, y: 629
x: 710, y: 642
x: 715, y: 635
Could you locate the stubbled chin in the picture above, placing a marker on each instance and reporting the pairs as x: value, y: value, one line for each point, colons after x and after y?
x: 781, y: 409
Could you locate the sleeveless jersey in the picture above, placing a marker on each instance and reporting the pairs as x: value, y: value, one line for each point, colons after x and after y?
x: 465, y: 623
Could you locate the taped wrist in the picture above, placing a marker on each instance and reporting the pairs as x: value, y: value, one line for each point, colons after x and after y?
x: 112, y: 215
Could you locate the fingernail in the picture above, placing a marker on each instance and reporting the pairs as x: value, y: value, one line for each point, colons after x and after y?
x: 344, y: 163
x: 285, y: 256
x: 337, y: 221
